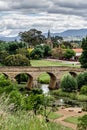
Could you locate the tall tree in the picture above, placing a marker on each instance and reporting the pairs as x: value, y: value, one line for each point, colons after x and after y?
x: 83, y: 57
x: 32, y: 37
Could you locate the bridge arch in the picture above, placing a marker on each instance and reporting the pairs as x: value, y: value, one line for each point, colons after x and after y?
x: 52, y: 79
x: 28, y: 79
x: 74, y: 74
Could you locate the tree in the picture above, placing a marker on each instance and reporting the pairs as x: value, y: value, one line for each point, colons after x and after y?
x: 3, y: 55
x: 69, y: 53
x: 83, y: 57
x: 37, y: 53
x: 47, y: 50
x: 66, y: 44
x: 56, y: 40
x: 82, y: 79
x: 13, y: 46
x: 68, y: 83
x: 17, y: 60
x: 23, y: 51
x: 32, y: 37
x: 83, y: 90
x: 82, y: 123
x: 57, y: 53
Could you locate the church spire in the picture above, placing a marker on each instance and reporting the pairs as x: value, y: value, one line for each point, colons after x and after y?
x: 49, y: 36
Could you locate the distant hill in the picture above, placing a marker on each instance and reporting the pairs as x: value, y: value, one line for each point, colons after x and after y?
x: 73, y: 33
x: 7, y: 39
x: 68, y: 34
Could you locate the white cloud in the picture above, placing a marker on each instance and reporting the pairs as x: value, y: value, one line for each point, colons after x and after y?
x: 56, y: 15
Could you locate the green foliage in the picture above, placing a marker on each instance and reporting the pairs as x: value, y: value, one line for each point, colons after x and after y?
x: 82, y: 123
x: 23, y: 51
x: 17, y: 98
x: 17, y: 60
x: 34, y: 101
x: 44, y: 78
x: 82, y: 80
x: 83, y: 58
x: 13, y: 46
x: 68, y: 83
x: 32, y: 37
x: 3, y: 55
x: 3, y: 46
x: 69, y: 53
x: 82, y: 97
x: 83, y: 90
x: 37, y: 53
x: 47, y: 50
x: 3, y: 81
x: 72, y: 119
x: 57, y: 53
x: 23, y: 77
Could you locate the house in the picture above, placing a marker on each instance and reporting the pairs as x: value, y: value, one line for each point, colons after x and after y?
x: 78, y: 52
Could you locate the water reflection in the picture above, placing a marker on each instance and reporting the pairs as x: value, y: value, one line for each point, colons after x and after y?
x: 45, y: 88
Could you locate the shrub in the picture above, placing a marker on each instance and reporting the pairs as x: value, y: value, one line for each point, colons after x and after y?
x: 83, y: 90
x: 82, y: 123
x: 69, y: 53
x: 37, y: 53
x: 3, y: 55
x: 82, y: 97
x: 68, y: 83
x: 3, y: 81
x: 82, y: 80
x: 17, y: 98
x: 17, y: 60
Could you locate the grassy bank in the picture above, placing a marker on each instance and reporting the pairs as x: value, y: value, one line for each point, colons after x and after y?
x: 24, y: 120
x: 50, y: 63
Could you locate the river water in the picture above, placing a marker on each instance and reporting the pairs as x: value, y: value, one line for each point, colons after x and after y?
x: 45, y: 88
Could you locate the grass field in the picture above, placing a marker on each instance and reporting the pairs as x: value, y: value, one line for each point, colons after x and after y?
x: 72, y: 119
x: 50, y: 63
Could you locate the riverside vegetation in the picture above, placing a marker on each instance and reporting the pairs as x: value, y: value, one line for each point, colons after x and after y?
x: 20, y: 108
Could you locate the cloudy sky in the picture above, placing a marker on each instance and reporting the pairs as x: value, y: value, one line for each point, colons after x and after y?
x: 57, y: 15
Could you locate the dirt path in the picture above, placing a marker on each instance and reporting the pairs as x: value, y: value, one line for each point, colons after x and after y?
x: 68, y: 113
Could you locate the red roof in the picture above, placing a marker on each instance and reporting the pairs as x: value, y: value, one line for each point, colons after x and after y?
x: 78, y: 50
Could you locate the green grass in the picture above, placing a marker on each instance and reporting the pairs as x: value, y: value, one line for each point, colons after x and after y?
x: 23, y: 120
x: 49, y: 63
x: 54, y: 115
x: 72, y: 119
x: 44, y: 78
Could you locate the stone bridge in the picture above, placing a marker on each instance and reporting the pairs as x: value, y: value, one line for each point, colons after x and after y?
x: 55, y: 73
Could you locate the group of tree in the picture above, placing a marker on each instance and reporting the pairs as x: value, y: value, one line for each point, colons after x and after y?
x: 34, y: 40
x: 83, y: 58
x: 75, y: 83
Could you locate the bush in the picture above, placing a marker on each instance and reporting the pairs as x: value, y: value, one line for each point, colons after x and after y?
x: 82, y: 98
x: 83, y: 90
x: 82, y: 80
x: 82, y: 123
x: 69, y: 54
x: 3, y: 55
x: 68, y: 83
x: 3, y: 81
x: 17, y: 60
x: 17, y: 98
x: 37, y: 53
